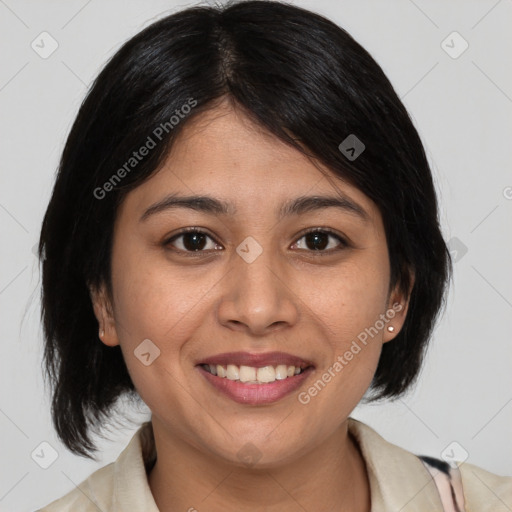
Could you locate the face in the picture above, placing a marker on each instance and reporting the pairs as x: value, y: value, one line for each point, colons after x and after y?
x: 268, y: 284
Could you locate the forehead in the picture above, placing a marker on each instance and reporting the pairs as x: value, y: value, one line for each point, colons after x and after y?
x: 224, y: 142
x: 224, y: 154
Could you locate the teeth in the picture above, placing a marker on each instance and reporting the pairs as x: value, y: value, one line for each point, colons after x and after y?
x: 252, y: 375
x: 266, y: 374
x: 232, y: 372
x: 247, y: 373
x: 281, y: 372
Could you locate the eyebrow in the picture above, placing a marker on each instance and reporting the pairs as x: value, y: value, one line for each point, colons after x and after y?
x: 298, y: 206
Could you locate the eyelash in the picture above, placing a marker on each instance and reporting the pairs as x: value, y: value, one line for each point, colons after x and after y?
x: 344, y: 244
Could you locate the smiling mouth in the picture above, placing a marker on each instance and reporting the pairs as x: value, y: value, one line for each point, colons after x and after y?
x: 253, y: 375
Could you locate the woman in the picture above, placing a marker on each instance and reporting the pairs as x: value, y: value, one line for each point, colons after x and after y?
x: 244, y: 234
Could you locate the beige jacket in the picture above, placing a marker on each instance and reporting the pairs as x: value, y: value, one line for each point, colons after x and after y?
x: 398, y: 480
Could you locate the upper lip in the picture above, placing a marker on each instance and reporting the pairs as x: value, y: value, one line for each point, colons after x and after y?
x: 257, y: 360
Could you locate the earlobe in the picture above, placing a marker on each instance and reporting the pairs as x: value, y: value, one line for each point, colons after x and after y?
x: 103, y: 312
x: 395, y: 315
x: 397, y: 312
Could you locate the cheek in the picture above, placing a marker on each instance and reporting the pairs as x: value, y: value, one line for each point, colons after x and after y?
x: 149, y: 313
x: 351, y: 298
x: 150, y: 298
x: 347, y: 305
x: 141, y: 307
x: 155, y: 302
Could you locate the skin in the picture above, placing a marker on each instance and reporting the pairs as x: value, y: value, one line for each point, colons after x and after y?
x: 291, y: 299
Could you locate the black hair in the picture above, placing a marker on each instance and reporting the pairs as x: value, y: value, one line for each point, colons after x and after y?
x: 296, y: 74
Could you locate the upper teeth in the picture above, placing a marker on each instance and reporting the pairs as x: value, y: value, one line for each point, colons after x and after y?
x: 252, y: 375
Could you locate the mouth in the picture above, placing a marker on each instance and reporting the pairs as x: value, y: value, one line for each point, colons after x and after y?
x: 255, y: 379
x: 252, y: 374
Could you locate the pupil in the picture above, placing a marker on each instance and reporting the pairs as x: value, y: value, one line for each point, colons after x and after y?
x: 197, y: 244
x: 317, y: 238
x: 315, y: 241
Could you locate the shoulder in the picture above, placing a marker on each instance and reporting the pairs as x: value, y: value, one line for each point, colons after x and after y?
x: 485, y: 491
x: 119, y: 486
x: 401, y: 480
x: 93, y: 494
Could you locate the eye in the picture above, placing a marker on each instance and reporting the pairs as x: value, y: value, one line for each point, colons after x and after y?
x: 317, y: 240
x: 193, y: 240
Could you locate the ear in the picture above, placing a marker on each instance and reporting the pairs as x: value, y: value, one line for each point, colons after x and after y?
x: 103, y: 311
x: 398, y: 305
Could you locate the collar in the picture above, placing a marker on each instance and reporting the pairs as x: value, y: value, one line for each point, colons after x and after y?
x: 131, y: 487
x: 398, y: 479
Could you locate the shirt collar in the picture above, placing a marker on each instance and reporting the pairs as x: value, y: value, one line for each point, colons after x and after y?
x: 398, y: 479
x: 131, y: 487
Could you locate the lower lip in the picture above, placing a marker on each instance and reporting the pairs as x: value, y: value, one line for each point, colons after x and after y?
x: 256, y: 394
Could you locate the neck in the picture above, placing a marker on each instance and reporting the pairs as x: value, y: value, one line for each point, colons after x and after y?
x: 330, y: 477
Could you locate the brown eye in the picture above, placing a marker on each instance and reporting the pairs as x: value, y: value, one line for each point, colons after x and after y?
x: 192, y: 240
x: 322, y: 240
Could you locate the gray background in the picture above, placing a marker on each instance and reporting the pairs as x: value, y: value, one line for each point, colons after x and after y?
x: 463, y: 109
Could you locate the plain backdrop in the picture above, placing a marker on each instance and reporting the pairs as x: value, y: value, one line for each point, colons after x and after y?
x: 461, y: 102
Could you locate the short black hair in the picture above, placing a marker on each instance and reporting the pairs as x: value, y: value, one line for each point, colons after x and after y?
x: 296, y: 74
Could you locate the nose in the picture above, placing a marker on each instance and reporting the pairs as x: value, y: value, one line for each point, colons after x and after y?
x: 257, y: 297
